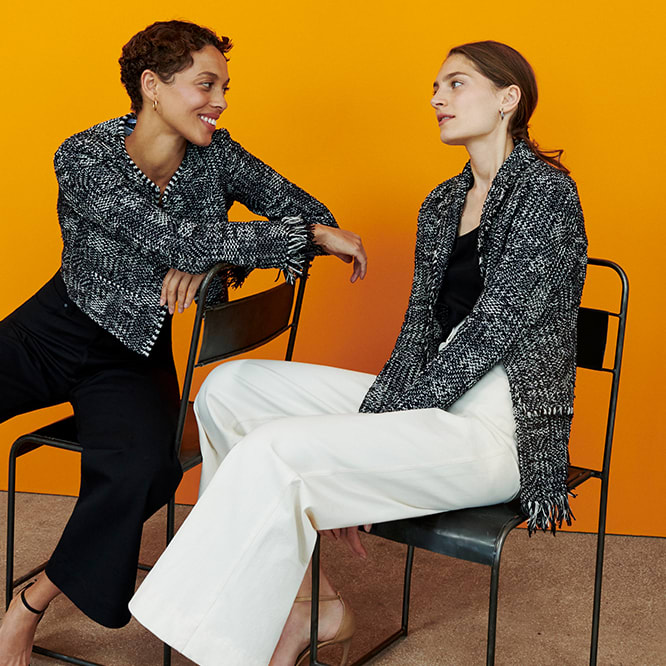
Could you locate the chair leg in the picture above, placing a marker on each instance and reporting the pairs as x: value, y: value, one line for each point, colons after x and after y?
x: 314, y: 605
x: 166, y: 657
x: 63, y: 657
x: 402, y: 632
x: 492, y: 612
x: 406, y: 589
x: 10, y: 582
x: 170, y: 530
x: 171, y: 520
x: 598, y: 574
x: 11, y: 514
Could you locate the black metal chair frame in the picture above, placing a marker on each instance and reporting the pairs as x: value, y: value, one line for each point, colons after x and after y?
x: 454, y: 533
x: 62, y: 434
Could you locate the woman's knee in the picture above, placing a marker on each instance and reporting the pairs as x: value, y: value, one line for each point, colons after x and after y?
x: 228, y: 374
x: 165, y: 480
x: 222, y: 382
x: 282, y: 440
x: 125, y: 476
x: 156, y: 477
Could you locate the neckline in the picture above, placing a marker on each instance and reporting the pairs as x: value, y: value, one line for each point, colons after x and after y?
x: 518, y: 158
x: 467, y: 234
x: 125, y: 128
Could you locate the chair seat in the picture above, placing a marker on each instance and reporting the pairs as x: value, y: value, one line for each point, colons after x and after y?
x: 468, y: 534
x: 475, y: 535
x: 61, y: 434
x: 579, y: 474
x: 65, y: 429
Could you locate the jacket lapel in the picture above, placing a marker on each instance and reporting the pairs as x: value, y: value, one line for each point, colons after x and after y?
x: 502, y: 184
x: 448, y: 212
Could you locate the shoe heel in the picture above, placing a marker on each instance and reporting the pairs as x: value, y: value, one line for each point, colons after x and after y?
x: 345, y: 653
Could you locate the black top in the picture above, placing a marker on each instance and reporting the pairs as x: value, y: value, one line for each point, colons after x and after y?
x: 462, y: 283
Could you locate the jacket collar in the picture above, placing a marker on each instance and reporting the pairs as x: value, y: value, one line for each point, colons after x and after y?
x: 520, y: 157
x: 450, y: 207
x: 190, y: 164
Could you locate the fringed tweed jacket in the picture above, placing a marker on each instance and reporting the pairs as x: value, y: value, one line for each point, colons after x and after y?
x: 533, y: 254
x: 121, y: 236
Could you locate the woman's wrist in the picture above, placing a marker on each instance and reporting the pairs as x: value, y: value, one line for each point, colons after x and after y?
x: 318, y: 230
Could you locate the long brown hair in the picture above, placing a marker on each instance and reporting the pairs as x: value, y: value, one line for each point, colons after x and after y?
x: 504, y: 66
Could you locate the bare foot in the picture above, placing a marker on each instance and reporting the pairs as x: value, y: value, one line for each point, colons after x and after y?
x: 17, y: 634
x: 296, y: 633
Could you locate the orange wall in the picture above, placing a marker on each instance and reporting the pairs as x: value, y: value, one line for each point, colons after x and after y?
x: 335, y: 96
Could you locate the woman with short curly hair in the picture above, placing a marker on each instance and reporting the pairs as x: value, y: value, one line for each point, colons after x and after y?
x: 142, y: 204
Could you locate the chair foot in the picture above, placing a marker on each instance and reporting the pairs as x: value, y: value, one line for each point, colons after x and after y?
x: 371, y: 654
x: 63, y: 657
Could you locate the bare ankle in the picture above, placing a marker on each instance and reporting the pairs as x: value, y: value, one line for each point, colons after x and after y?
x: 41, y: 592
x: 29, y: 604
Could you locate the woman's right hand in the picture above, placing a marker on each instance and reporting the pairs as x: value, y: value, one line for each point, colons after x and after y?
x: 179, y: 288
x: 345, y: 245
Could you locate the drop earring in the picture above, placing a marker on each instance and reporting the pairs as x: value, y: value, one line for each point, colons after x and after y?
x: 501, y: 112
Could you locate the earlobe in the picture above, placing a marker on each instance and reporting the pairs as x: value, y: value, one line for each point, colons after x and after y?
x: 512, y: 96
x: 149, y: 86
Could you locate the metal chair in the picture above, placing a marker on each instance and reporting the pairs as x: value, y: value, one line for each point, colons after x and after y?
x: 220, y: 331
x: 478, y: 534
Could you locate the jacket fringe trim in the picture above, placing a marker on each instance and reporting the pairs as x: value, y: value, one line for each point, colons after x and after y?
x: 548, y: 515
x: 299, y: 234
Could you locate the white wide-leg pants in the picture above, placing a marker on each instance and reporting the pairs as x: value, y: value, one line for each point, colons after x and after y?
x: 287, y: 453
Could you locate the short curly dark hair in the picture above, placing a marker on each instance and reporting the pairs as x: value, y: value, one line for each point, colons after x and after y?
x: 166, y: 48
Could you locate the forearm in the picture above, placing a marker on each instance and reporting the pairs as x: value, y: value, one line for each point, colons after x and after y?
x: 264, y: 191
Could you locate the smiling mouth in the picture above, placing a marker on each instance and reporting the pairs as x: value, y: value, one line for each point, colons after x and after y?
x: 210, y: 121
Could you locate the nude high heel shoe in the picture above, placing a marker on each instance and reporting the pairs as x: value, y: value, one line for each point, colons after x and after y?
x: 342, y: 637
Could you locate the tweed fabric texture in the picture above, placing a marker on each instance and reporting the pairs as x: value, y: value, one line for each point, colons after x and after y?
x: 121, y: 235
x: 533, y: 255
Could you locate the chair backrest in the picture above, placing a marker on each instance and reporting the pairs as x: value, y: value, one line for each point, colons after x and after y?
x: 234, y: 327
x: 593, y: 336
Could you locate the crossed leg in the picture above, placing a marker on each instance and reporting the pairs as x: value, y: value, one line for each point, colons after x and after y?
x: 227, y: 583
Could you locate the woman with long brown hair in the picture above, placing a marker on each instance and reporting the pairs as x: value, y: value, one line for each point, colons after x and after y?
x: 473, y: 407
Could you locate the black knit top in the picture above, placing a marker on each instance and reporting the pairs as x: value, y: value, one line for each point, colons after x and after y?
x: 462, y: 283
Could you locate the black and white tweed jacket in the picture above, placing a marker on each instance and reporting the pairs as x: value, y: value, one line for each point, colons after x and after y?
x: 120, y: 237
x: 533, y: 254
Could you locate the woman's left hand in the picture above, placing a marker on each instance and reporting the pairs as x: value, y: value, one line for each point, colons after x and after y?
x: 349, y: 535
x: 345, y: 245
x: 180, y: 288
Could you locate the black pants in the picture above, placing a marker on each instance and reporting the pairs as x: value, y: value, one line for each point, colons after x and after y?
x: 125, y: 406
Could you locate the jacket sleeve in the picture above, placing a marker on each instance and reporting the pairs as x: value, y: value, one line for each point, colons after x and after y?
x: 543, y: 244
x: 95, y: 190
x: 265, y: 192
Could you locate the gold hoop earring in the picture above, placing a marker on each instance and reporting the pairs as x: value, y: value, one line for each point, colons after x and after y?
x: 155, y: 104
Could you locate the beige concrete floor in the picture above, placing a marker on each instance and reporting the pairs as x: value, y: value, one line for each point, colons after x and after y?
x: 544, y: 610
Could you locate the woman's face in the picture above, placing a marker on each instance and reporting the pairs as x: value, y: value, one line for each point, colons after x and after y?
x: 194, y: 99
x: 467, y: 104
